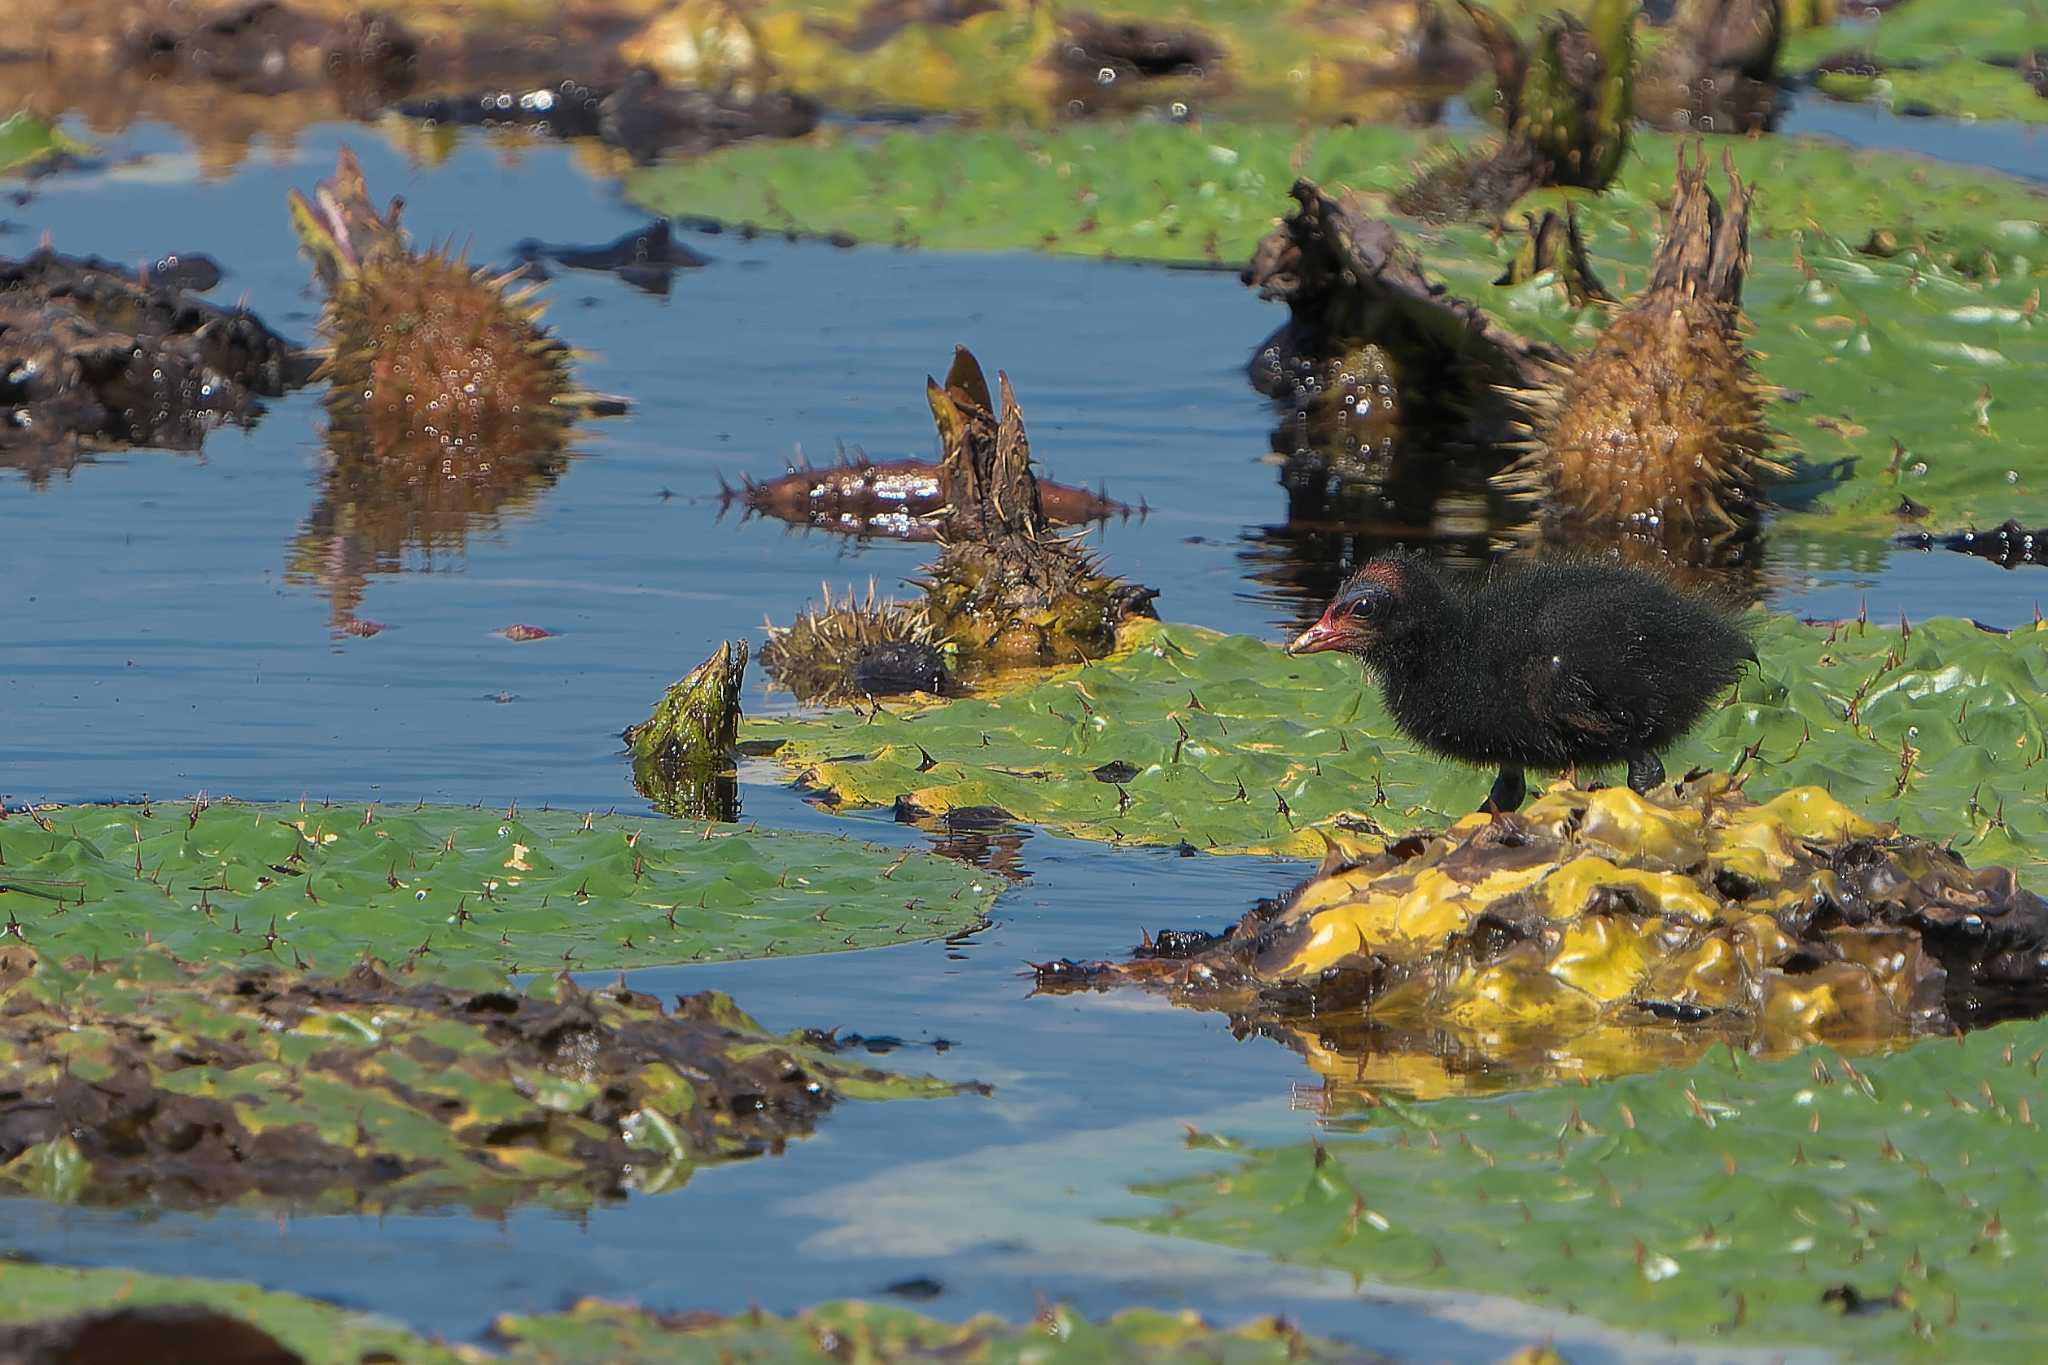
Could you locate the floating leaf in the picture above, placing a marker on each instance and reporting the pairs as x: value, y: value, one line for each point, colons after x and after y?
x: 1734, y: 1202
x: 26, y: 141
x: 143, y: 1079
x: 34, y: 1298
x: 1962, y: 61
x: 518, y: 889
x: 1236, y: 747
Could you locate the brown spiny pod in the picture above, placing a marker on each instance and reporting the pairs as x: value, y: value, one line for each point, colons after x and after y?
x: 428, y: 356
x: 1657, y: 434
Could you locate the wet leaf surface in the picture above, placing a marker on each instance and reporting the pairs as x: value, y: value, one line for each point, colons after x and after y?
x: 1238, y: 748
x: 1597, y: 933
x: 517, y: 890
x: 1731, y: 1202
x: 141, y: 1079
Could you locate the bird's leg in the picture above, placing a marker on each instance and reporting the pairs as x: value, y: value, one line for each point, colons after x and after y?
x: 1507, y: 792
x: 1645, y: 771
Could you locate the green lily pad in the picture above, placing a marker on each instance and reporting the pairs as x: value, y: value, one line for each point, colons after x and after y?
x: 1957, y: 60
x: 1883, y: 1209
x: 1227, y: 745
x: 140, y: 1078
x: 26, y: 141
x: 516, y: 889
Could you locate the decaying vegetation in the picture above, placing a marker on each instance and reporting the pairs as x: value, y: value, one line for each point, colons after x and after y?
x: 1604, y: 923
x: 198, y: 1085
x: 93, y: 357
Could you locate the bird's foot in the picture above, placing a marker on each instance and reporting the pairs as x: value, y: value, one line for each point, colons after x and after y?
x: 1508, y: 791
x: 1645, y: 773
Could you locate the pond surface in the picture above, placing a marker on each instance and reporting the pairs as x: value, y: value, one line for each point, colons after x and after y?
x: 156, y: 638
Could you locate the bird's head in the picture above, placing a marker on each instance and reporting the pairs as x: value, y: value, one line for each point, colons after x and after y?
x: 1378, y: 605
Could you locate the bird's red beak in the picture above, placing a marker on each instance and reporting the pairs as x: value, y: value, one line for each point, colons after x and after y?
x: 1323, y: 635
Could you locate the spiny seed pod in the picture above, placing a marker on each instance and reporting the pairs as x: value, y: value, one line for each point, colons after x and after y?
x: 1006, y: 590
x: 430, y: 358
x: 1657, y: 434
x: 856, y: 648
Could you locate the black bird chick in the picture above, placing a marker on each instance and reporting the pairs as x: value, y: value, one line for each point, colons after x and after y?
x: 1548, y: 664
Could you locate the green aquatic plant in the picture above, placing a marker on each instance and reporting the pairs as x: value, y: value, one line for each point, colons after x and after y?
x: 439, y: 886
x: 1565, y: 102
x: 37, y: 1300
x: 142, y: 1079
x: 1880, y: 1208
x: 683, y: 751
x: 27, y: 141
x: 1959, y: 61
x: 884, y: 1334
x: 1223, y: 743
x: 1925, y: 345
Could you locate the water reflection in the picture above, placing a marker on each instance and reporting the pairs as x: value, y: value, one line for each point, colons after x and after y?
x: 373, y: 515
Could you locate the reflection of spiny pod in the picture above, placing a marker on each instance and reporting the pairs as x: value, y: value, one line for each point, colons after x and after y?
x: 2008, y: 546
x: 1657, y: 434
